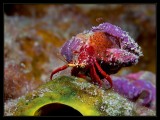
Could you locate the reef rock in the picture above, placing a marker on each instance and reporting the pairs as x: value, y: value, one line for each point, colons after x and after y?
x: 78, y: 95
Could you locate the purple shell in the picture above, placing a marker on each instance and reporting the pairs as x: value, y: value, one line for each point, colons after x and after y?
x: 121, y: 57
x: 135, y: 89
x: 126, y: 54
x: 127, y: 43
x: 68, y: 48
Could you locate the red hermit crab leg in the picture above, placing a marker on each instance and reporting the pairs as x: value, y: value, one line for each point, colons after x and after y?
x: 105, y: 75
x: 81, y: 76
x: 57, y: 70
x: 94, y: 75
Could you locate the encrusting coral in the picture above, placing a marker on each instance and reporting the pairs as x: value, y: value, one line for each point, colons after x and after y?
x: 79, y: 94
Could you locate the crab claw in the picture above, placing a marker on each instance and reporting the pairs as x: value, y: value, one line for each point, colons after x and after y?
x: 120, y: 57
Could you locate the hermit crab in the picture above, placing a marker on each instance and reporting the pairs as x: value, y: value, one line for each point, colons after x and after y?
x: 99, y: 52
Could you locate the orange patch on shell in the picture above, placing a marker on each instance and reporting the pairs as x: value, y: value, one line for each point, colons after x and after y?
x: 100, y: 42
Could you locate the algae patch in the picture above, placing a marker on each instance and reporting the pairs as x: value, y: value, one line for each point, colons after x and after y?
x: 73, y: 94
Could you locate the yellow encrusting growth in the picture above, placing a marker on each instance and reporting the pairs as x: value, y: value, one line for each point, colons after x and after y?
x: 77, y: 93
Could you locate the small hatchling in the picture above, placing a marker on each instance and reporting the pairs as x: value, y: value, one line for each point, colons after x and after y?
x: 99, y: 52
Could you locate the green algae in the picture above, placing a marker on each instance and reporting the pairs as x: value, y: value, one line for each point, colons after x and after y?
x: 88, y: 99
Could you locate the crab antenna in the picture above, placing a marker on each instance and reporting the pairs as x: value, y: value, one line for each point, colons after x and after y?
x: 61, y: 57
x: 58, y: 69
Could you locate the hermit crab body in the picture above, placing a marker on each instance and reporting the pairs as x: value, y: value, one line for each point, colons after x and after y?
x: 98, y: 52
